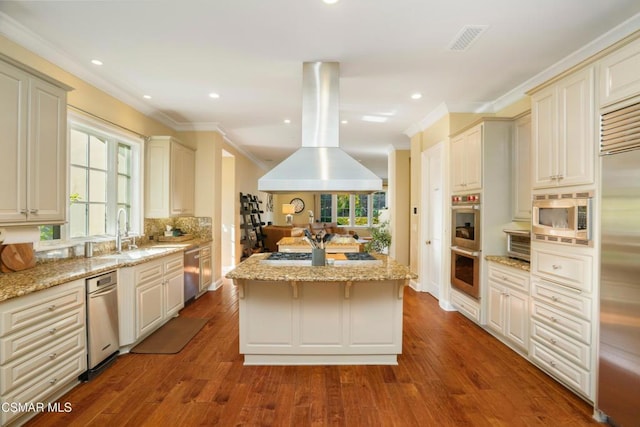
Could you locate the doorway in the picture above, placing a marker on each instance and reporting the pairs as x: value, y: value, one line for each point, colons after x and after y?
x: 227, y: 222
x: 432, y: 224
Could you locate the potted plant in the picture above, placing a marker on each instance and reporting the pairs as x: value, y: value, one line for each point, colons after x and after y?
x: 380, y: 238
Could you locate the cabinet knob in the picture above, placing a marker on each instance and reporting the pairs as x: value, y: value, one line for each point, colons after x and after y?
x: 53, y: 331
x: 554, y: 298
x: 552, y: 363
x: 33, y: 211
x: 53, y: 381
x: 23, y: 211
x: 552, y: 341
x: 52, y: 307
x: 553, y: 319
x: 428, y: 242
x: 556, y: 267
x: 53, y: 355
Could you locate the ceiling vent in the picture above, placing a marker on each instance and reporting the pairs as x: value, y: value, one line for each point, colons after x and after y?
x: 466, y: 37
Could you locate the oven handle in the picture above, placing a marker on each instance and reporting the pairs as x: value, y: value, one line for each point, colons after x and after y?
x: 466, y: 207
x: 466, y: 252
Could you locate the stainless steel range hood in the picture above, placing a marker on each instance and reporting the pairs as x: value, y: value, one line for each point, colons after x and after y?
x: 320, y: 165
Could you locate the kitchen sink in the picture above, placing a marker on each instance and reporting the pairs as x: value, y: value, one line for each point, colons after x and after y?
x: 136, y: 254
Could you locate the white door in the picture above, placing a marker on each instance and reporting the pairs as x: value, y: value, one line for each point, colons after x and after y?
x: 432, y: 226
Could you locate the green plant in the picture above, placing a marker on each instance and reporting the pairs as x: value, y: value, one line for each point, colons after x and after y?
x: 380, y: 238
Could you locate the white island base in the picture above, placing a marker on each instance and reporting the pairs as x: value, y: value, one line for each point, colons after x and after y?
x: 320, y: 323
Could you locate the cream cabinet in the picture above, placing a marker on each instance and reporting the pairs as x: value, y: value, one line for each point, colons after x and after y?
x: 42, y: 345
x: 149, y: 294
x: 33, y: 119
x: 508, y: 304
x: 563, y: 308
x: 521, y: 169
x: 619, y: 76
x: 170, y: 178
x: 206, y: 268
x: 466, y: 160
x: 563, y: 141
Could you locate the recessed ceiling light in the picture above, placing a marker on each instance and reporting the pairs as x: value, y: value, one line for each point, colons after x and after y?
x: 146, y: 96
x: 375, y: 119
x: 344, y: 122
x: 214, y: 95
x: 330, y: 1
x: 416, y: 95
x: 96, y: 62
x: 287, y: 121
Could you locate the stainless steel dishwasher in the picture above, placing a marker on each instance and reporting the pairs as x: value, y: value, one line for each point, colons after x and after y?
x: 103, y: 340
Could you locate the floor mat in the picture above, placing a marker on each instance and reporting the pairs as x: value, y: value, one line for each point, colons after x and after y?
x: 171, y: 337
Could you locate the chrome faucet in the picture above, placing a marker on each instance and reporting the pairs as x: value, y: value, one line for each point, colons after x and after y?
x: 119, y: 238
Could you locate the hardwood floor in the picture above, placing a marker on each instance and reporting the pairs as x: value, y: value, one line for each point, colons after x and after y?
x: 451, y: 373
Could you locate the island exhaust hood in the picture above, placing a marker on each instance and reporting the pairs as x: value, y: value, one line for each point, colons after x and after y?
x: 320, y: 165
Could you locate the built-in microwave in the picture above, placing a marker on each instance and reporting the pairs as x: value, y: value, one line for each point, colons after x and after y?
x: 562, y: 218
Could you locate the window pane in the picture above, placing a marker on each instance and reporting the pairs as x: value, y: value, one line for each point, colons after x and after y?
x: 97, y: 219
x: 78, y: 147
x: 124, y: 159
x: 124, y: 185
x: 78, y: 220
x: 78, y: 183
x: 379, y: 202
x: 325, y: 208
x: 97, y: 153
x: 342, y: 215
x: 97, y: 186
x: 361, y: 209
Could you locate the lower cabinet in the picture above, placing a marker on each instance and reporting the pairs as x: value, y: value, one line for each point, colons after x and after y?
x: 508, y: 304
x: 42, y: 346
x: 466, y: 305
x: 206, y: 271
x: 149, y: 294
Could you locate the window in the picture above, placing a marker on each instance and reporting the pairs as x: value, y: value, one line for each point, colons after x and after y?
x: 352, y: 210
x: 104, y: 168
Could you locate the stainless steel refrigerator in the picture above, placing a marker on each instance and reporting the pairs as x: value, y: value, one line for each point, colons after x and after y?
x: 619, y: 352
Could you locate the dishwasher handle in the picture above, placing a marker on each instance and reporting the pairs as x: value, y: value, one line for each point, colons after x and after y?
x: 103, y: 292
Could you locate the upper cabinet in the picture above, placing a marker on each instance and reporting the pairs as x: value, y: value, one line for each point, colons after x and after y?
x: 521, y: 169
x: 563, y: 132
x: 619, y: 77
x: 33, y: 119
x: 170, y: 178
x: 466, y: 160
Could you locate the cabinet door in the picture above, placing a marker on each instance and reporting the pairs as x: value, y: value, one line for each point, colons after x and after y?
x: 174, y: 294
x: 495, y: 309
x: 473, y: 159
x: 47, y: 153
x: 149, y: 298
x: 517, y: 314
x: 182, y: 180
x: 576, y: 150
x: 544, y: 136
x: 619, y: 77
x: 13, y: 142
x: 522, y: 170
x: 206, y: 277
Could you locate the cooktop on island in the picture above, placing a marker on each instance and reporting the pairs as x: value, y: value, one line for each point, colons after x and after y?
x: 304, y: 258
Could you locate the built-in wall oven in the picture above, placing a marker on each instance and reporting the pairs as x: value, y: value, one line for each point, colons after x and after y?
x: 465, y: 243
x: 465, y: 271
x: 465, y: 216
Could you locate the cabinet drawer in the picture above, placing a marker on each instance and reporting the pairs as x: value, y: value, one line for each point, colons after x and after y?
x: 566, y: 323
x: 22, y: 370
x: 509, y: 277
x: 175, y: 263
x: 148, y: 272
x: 562, y: 298
x: 33, y: 338
x: 567, y: 372
x: 576, y: 352
x: 573, y: 270
x: 37, y: 307
x: 205, y: 251
x: 46, y: 384
x: 466, y: 306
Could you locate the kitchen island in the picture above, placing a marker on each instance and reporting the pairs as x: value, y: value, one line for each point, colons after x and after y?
x: 332, y: 315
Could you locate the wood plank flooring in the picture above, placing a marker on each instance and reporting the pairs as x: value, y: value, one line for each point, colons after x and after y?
x: 451, y: 373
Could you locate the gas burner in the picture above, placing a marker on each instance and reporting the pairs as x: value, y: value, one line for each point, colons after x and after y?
x: 359, y: 256
x: 289, y: 256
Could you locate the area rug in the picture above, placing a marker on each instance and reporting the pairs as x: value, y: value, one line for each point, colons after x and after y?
x: 171, y: 337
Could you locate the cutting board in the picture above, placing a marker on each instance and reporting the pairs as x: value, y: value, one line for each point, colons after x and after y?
x: 17, y: 257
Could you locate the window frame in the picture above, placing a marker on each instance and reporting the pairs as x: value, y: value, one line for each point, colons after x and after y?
x: 115, y: 137
x: 352, y: 208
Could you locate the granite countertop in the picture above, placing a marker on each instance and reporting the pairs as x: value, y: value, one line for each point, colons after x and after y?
x: 49, y: 274
x: 509, y: 262
x: 253, y: 269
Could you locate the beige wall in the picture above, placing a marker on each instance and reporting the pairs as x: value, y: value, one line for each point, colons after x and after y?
x: 309, y: 200
x: 416, y: 188
x: 399, y: 169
